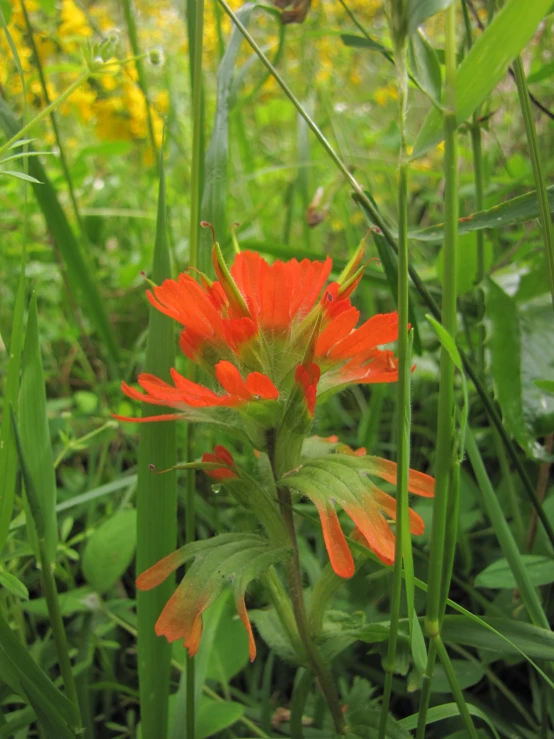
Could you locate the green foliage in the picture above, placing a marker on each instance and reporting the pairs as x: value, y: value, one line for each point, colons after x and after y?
x: 280, y: 171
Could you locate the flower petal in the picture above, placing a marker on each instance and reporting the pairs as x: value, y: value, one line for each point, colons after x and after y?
x: 339, y: 553
x: 243, y: 615
x: 260, y: 385
x: 159, y: 572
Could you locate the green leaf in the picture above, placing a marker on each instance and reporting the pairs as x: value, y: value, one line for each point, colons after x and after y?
x: 80, y: 272
x: 270, y: 629
x: 485, y: 64
x: 229, y: 653
x: 447, y: 710
x: 420, y: 10
x: 498, y: 575
x: 13, y: 585
x: 8, y: 452
x: 517, y: 210
x: 546, y: 71
x: 363, y: 42
x: 546, y: 385
x: 467, y: 267
x: 110, y: 550
x: 467, y: 674
x: 20, y: 175
x: 43, y: 695
x: 533, y: 641
x: 365, y: 723
x: 521, y: 351
x: 215, y: 716
x: 156, y: 522
x: 35, y: 435
x: 79, y: 600
x: 425, y: 66
x: 214, y: 198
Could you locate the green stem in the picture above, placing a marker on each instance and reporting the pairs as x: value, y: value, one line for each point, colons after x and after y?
x: 540, y: 185
x: 280, y: 602
x: 297, y: 599
x: 196, y: 169
x: 46, y: 112
x: 445, y: 485
x: 58, y: 630
x: 403, y: 542
x: 445, y: 428
x: 128, y: 11
x: 480, y: 237
x: 426, y: 690
x: 455, y: 687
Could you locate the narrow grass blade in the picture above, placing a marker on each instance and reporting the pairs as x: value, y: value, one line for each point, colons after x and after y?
x: 40, y: 689
x: 156, y: 506
x: 214, y: 198
x: 80, y: 273
x: 485, y: 65
x: 8, y: 452
x: 505, y: 537
x: 517, y: 210
x: 35, y: 434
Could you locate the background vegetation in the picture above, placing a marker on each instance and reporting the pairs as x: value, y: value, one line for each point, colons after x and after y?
x: 79, y: 221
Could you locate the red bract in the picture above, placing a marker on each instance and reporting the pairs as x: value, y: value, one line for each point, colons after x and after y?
x: 187, y: 394
x: 255, y: 321
x: 222, y: 456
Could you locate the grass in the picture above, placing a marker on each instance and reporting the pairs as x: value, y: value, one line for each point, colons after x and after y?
x: 276, y: 128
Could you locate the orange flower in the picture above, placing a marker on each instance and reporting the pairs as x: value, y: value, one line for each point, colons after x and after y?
x: 254, y: 322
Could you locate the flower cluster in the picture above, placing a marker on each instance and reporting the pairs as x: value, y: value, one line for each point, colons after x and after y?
x: 273, y: 341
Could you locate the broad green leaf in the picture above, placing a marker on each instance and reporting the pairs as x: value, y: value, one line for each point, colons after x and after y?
x: 420, y: 10
x: 215, y: 716
x: 498, y: 575
x: 363, y: 42
x: 110, y: 550
x: 485, y: 64
x: 80, y: 272
x: 517, y: 210
x: 340, y: 630
x: 425, y: 66
x: 229, y: 652
x: 80, y: 600
x: 8, y: 453
x: 521, y: 351
x: 35, y: 433
x: 13, y: 585
x: 533, y: 641
x: 467, y: 674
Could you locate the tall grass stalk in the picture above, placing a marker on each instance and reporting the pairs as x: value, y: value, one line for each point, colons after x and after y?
x: 156, y: 507
x: 446, y: 435
x: 403, y: 551
x: 194, y: 238
x: 538, y: 174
